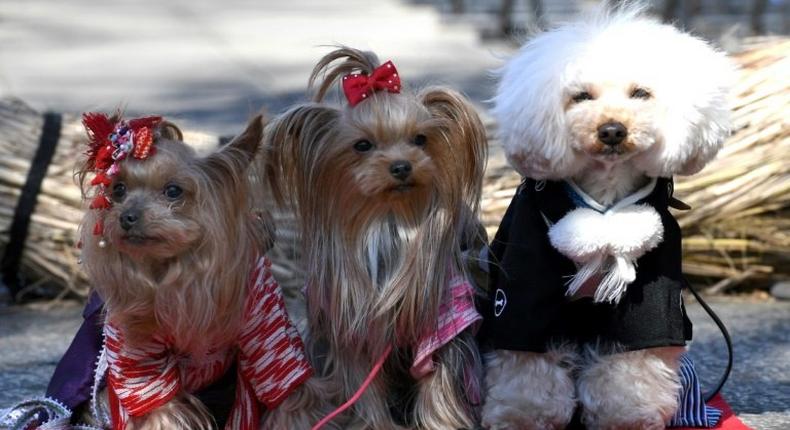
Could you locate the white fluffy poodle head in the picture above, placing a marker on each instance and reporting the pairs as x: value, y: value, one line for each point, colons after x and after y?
x: 617, y: 88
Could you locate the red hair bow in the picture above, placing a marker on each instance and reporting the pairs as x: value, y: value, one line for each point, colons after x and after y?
x: 358, y: 87
x: 110, y: 141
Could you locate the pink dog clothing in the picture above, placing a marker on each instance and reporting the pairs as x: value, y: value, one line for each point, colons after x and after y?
x: 455, y: 316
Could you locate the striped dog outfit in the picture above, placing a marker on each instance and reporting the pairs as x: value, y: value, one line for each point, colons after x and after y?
x: 269, y: 353
x: 455, y: 315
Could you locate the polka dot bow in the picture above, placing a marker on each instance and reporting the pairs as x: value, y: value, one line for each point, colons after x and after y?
x: 358, y: 87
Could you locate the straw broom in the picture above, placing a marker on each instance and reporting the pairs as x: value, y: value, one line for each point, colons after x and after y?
x: 49, y: 254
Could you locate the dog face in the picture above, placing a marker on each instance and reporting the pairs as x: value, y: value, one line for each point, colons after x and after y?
x: 389, y: 156
x: 611, y: 122
x: 386, y: 156
x: 174, y: 200
x: 618, y: 89
x: 403, y: 155
x: 155, y: 210
x: 179, y: 235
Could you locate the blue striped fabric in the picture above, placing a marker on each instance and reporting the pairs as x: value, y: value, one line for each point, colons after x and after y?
x: 692, y: 410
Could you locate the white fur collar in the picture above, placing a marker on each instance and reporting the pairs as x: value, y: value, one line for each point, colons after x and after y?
x: 607, y: 241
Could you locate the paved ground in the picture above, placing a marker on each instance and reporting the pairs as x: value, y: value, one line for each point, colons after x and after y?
x: 759, y: 387
x: 31, y: 342
x: 210, y: 64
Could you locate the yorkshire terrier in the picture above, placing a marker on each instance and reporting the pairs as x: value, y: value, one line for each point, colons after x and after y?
x: 586, y: 308
x: 172, y: 244
x: 387, y: 190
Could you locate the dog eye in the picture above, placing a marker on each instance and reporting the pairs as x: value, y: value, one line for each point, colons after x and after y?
x: 173, y: 191
x: 363, y: 146
x: 118, y: 191
x: 582, y: 96
x: 640, y: 93
x: 420, y: 140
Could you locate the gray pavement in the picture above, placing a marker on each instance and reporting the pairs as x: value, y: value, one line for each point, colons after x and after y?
x: 759, y: 386
x: 208, y: 65
x: 32, y: 341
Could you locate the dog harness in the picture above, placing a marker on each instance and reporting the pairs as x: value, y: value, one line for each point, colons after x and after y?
x: 269, y: 353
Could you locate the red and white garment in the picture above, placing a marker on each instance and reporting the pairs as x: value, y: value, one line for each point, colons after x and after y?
x: 269, y: 352
x: 455, y: 316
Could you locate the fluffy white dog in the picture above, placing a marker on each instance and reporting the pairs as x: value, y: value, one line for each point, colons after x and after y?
x: 586, y: 307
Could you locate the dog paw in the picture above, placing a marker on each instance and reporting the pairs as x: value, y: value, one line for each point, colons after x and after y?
x: 528, y: 391
x: 630, y: 390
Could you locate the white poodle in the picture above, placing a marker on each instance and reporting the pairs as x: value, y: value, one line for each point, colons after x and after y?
x: 586, y: 308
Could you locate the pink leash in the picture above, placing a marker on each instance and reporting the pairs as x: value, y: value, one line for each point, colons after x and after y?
x: 361, y: 390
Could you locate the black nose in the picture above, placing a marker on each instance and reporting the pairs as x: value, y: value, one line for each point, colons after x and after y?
x: 400, y: 169
x: 129, y: 218
x: 612, y: 133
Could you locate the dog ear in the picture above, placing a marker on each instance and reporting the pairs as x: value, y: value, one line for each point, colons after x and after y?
x: 168, y: 130
x: 234, y: 158
x: 700, y: 128
x: 288, y: 141
x: 464, y: 132
x: 249, y: 141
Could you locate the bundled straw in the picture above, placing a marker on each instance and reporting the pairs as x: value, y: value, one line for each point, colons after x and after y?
x: 49, y: 253
x: 739, y: 228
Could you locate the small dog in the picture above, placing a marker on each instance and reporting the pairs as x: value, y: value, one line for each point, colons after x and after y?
x: 598, y: 116
x: 172, y: 245
x: 387, y: 190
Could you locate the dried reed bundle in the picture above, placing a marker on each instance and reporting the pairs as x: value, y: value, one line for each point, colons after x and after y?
x: 49, y: 251
x: 739, y: 229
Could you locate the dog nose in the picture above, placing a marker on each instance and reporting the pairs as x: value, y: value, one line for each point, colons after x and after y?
x: 400, y: 169
x: 129, y: 218
x: 612, y: 133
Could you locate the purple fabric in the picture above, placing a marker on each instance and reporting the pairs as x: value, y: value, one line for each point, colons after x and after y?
x: 72, y: 382
x: 73, y: 379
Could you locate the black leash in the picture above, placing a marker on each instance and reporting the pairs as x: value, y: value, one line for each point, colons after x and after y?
x: 678, y: 204
x: 727, y: 340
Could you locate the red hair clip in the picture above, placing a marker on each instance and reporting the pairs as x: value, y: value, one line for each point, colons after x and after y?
x: 110, y: 141
x: 358, y: 87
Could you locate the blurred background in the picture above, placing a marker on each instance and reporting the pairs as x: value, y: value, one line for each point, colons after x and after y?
x: 209, y: 65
